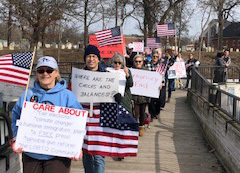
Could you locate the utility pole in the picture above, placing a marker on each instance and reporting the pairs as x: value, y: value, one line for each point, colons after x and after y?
x: 116, y: 13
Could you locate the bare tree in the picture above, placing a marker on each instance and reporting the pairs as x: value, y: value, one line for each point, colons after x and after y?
x: 223, y: 9
x: 152, y: 12
x: 182, y: 13
x: 204, y: 21
x: 37, y: 15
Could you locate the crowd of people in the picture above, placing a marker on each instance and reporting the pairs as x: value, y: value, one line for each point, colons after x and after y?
x: 49, y: 88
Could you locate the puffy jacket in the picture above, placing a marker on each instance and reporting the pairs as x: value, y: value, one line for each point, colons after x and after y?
x: 58, y: 96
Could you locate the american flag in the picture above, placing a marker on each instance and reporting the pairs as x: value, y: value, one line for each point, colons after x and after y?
x: 165, y: 30
x: 15, y: 68
x: 109, y: 36
x: 161, y: 68
x: 106, y: 136
x: 153, y: 42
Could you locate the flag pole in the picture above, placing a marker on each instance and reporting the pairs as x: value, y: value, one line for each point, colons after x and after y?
x: 33, y: 56
x: 175, y: 37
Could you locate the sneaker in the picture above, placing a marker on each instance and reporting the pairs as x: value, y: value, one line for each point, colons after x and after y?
x: 158, y: 116
x: 162, y: 109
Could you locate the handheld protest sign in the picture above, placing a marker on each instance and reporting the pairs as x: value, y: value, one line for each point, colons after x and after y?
x: 138, y: 47
x: 107, y: 51
x: 177, y: 70
x: 91, y: 86
x: 146, y: 83
x: 51, y: 130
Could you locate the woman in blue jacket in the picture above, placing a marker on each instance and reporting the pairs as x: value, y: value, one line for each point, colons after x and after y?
x: 49, y: 89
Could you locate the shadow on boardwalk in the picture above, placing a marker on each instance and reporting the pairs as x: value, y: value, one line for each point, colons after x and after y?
x: 173, y: 144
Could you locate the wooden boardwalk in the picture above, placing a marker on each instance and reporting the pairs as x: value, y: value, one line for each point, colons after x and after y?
x: 173, y: 144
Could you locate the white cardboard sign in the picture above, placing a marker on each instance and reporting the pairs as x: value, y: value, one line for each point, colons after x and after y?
x: 138, y: 47
x: 51, y: 130
x: 122, y: 79
x: 91, y: 86
x: 146, y: 83
x: 177, y: 70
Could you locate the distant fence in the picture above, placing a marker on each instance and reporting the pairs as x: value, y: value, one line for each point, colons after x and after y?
x: 202, y: 82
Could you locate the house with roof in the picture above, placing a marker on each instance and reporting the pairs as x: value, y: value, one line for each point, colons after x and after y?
x: 231, y: 37
x: 210, y: 32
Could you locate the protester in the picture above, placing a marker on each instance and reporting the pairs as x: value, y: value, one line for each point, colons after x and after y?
x: 92, y: 163
x: 227, y: 61
x: 219, y: 73
x: 118, y: 62
x: 227, y: 58
x: 130, y: 55
x: 171, y: 60
x: 140, y: 102
x: 179, y: 83
x: 106, y: 62
x: 191, y: 62
x: 48, y: 88
x: 153, y: 106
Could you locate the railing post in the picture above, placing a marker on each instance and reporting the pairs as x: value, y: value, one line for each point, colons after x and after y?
x: 234, y: 108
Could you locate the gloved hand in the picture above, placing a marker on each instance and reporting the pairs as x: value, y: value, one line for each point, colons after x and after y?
x: 118, y: 97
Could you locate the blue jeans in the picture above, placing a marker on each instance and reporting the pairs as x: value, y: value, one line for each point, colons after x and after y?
x: 171, y: 85
x: 93, y: 163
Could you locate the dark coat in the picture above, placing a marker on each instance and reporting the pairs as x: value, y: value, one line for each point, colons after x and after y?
x: 219, y: 72
x: 126, y: 100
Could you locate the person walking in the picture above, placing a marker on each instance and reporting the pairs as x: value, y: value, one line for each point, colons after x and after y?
x: 219, y: 72
x: 171, y: 60
x: 140, y: 102
x: 153, y: 106
x: 48, y: 89
x: 92, y: 163
x: 191, y: 62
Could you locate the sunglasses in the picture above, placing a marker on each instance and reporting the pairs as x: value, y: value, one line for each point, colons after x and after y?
x: 115, y: 62
x: 138, y: 61
x: 41, y: 71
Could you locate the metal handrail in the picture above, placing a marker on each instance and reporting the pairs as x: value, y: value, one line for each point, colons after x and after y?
x: 214, y: 94
x: 7, y: 135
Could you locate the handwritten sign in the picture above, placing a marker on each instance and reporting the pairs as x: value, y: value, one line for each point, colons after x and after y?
x: 122, y: 79
x: 146, y: 83
x: 51, y: 130
x: 107, y: 51
x: 148, y: 50
x: 95, y: 87
x: 138, y: 47
x: 177, y: 70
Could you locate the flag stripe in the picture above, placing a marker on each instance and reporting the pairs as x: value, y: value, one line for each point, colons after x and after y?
x: 15, y: 68
x: 109, y: 36
x: 114, y: 135
x: 14, y: 76
x: 108, y: 141
x: 151, y: 43
x: 12, y: 82
x: 110, y: 144
x: 163, y: 30
x: 110, y: 154
x: 111, y: 149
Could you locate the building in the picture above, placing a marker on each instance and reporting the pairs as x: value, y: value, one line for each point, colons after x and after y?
x: 210, y: 32
x: 231, y: 37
